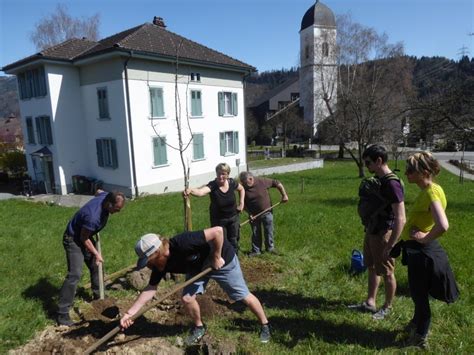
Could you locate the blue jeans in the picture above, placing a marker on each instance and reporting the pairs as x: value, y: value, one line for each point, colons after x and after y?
x: 265, y: 220
x: 76, y: 254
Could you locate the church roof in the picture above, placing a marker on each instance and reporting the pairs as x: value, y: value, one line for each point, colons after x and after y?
x: 318, y: 15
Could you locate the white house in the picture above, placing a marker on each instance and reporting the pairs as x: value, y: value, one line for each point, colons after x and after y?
x: 108, y: 110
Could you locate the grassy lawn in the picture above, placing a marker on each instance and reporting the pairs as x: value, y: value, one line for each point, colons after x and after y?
x: 306, y: 302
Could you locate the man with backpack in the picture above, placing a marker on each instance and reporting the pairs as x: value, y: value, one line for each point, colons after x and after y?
x: 382, y: 212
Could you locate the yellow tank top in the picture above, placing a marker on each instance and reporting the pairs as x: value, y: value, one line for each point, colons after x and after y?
x: 420, y: 213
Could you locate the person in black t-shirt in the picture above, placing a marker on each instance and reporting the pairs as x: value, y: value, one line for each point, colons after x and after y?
x: 189, y: 253
x: 223, y: 209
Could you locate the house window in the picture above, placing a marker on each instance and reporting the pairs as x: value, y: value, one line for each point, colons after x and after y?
x: 43, y: 129
x: 156, y: 102
x: 196, y: 104
x: 198, y: 146
x: 30, y: 131
x: 32, y: 83
x: 229, y: 142
x: 159, y: 151
x: 106, y: 153
x: 325, y: 49
x: 195, y: 77
x: 227, y: 104
x: 294, y: 96
x: 103, y: 103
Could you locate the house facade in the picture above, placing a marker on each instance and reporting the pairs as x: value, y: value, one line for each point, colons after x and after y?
x: 110, y: 110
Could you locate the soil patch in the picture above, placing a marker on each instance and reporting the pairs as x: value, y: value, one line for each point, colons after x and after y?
x: 151, y: 332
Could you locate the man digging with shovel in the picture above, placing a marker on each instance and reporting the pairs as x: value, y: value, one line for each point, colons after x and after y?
x: 189, y: 253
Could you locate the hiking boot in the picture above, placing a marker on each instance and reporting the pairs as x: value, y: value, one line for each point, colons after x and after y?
x: 265, y: 333
x: 363, y: 307
x: 195, y: 335
x: 382, y: 313
x: 64, y: 319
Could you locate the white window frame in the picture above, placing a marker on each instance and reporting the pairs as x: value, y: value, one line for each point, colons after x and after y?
x: 163, y: 139
x: 203, y: 157
x: 150, y: 89
x: 228, y: 103
x: 196, y: 77
x: 229, y: 143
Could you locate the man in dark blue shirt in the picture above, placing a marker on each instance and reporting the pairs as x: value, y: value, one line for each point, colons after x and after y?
x: 189, y: 253
x: 80, y: 247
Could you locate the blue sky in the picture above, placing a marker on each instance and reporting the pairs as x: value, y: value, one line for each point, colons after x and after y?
x: 262, y: 33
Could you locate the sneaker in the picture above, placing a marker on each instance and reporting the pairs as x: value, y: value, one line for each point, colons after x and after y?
x: 382, y: 313
x: 363, y: 307
x: 253, y: 254
x: 195, y: 335
x: 64, y: 319
x: 265, y: 333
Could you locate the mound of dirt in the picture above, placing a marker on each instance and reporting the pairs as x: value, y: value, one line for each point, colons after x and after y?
x: 148, y: 333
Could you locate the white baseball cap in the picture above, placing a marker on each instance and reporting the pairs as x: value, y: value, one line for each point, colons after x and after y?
x: 145, y: 247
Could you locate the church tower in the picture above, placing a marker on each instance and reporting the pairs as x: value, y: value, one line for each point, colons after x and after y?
x: 318, y: 70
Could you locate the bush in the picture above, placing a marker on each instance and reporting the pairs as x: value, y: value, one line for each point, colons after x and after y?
x: 14, y: 162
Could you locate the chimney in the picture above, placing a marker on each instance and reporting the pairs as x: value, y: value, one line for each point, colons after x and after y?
x: 158, y: 21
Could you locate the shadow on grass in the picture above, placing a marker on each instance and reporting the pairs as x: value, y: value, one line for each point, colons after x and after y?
x: 45, y: 292
x: 285, y: 300
x: 297, y: 329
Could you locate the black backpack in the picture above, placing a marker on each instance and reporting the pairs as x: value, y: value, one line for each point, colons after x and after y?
x: 372, y: 205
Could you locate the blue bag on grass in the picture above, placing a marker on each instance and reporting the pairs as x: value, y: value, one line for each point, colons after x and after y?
x: 357, y: 262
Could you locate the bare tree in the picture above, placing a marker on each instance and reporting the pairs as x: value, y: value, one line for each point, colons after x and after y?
x: 373, y: 86
x: 184, y: 139
x: 61, y: 26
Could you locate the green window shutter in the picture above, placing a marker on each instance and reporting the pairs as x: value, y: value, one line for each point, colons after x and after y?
x: 159, y: 151
x: 42, y: 82
x: 236, y: 142
x: 156, y: 102
x: 48, y: 132
x: 113, y: 147
x: 222, y: 142
x: 196, y: 107
x: 220, y: 99
x: 39, y: 130
x: 198, y: 146
x: 30, y: 131
x: 234, y: 104
x: 100, y: 156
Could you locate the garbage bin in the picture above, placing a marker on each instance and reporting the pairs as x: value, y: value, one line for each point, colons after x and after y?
x: 75, y: 178
x: 83, y: 185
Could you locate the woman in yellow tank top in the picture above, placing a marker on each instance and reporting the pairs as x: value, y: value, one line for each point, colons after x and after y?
x: 429, y: 272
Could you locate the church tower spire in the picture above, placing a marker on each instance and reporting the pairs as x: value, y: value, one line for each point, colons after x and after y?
x: 318, y: 70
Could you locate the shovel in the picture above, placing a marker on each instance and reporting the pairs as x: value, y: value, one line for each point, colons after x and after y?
x: 145, y: 309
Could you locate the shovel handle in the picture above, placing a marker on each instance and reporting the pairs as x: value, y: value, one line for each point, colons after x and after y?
x: 114, y: 331
x: 260, y: 213
x: 101, y: 270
